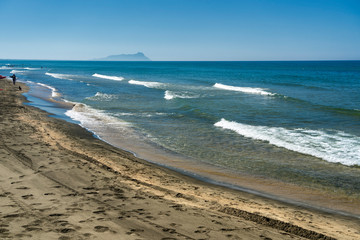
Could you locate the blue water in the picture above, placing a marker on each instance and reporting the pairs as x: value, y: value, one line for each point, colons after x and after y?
x: 296, y: 122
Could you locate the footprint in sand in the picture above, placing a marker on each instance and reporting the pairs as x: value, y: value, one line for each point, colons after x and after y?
x: 64, y: 238
x: 48, y: 194
x: 27, y: 196
x: 4, y: 194
x: 66, y: 230
x: 94, y: 193
x: 61, y: 223
x: 56, y: 215
x: 15, y: 215
x: 99, y: 211
x: 101, y: 228
x: 16, y: 182
x: 132, y: 231
x: 169, y: 230
x: 4, y: 231
x: 178, y: 207
x: 201, y: 229
x: 31, y: 228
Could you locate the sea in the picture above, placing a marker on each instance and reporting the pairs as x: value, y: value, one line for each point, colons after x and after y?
x: 296, y: 122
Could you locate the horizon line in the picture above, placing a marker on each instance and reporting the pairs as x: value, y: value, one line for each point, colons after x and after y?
x: 89, y: 60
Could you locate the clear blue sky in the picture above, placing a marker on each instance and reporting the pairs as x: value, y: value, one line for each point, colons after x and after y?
x: 181, y: 29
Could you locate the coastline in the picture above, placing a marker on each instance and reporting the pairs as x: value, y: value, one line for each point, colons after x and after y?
x: 326, y: 200
x: 57, y: 180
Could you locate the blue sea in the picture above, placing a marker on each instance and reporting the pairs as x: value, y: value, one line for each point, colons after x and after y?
x: 294, y: 122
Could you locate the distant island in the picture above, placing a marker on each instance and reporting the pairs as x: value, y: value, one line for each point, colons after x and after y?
x: 125, y: 57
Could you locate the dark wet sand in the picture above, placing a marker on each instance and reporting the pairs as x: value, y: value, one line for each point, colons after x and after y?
x: 59, y: 182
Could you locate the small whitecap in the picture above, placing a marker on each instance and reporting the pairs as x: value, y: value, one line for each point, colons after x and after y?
x: 248, y: 90
x: 116, y: 78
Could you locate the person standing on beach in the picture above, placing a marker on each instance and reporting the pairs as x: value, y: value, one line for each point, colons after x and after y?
x: 13, y: 78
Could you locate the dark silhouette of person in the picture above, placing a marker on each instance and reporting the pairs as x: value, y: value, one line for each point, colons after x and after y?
x: 13, y: 78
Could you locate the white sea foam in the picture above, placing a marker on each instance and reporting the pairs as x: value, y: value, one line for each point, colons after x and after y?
x: 141, y: 114
x: 28, y: 68
x: 147, y: 84
x: 61, y: 76
x: 17, y: 71
x: 332, y: 146
x: 124, y: 114
x: 54, y: 92
x: 102, y: 97
x: 243, y: 89
x: 6, y: 67
x: 95, y: 120
x: 14, y: 67
x: 171, y: 95
x: 108, y: 77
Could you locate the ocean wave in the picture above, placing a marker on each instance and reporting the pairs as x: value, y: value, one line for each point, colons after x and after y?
x: 54, y: 92
x: 17, y: 67
x: 332, y: 146
x: 95, y: 120
x: 28, y: 68
x: 144, y: 114
x: 102, y: 97
x: 61, y: 76
x: 147, y: 84
x: 171, y: 95
x: 108, y: 77
x: 243, y: 89
x: 17, y: 71
x: 6, y: 67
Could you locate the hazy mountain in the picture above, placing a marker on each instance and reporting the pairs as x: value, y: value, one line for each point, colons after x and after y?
x: 125, y: 57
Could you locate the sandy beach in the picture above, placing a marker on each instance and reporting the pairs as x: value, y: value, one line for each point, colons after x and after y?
x: 59, y: 182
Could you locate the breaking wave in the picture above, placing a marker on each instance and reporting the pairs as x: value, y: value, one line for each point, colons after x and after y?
x: 108, y: 77
x: 102, y: 97
x: 61, y: 76
x: 95, y: 120
x: 147, y: 84
x: 17, y: 71
x: 332, y: 146
x: 243, y: 89
x: 54, y: 92
x: 5, y: 67
x: 171, y: 95
x: 28, y: 68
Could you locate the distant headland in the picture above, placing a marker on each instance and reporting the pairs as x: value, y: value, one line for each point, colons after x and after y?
x: 125, y: 57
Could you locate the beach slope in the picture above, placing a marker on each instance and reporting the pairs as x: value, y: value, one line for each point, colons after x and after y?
x: 59, y: 182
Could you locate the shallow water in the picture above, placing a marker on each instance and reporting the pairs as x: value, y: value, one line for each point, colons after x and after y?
x: 295, y: 122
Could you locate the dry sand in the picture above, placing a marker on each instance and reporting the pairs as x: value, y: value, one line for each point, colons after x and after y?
x: 59, y: 182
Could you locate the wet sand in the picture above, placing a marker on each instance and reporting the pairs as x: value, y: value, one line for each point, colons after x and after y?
x: 59, y: 182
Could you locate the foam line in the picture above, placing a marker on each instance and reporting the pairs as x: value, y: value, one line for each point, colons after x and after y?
x: 61, y: 76
x: 54, y: 92
x: 242, y: 89
x: 171, y: 95
x: 108, y: 77
x: 102, y: 97
x: 146, y: 84
x: 332, y: 146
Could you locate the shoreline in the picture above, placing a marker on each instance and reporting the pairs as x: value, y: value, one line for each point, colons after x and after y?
x: 289, y: 193
x: 57, y: 175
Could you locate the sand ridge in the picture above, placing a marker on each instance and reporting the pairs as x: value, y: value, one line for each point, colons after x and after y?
x: 59, y: 182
